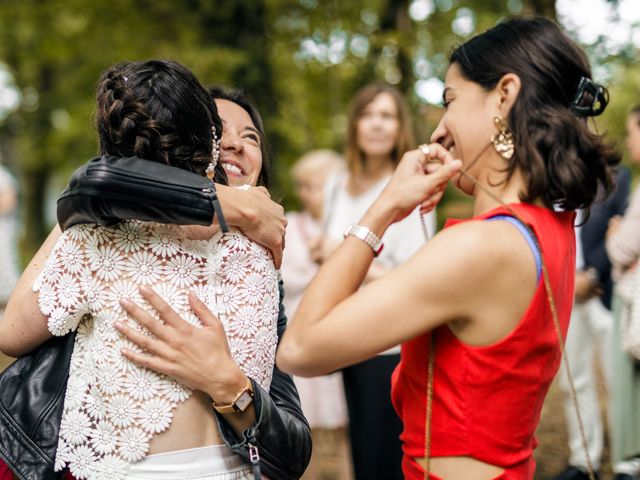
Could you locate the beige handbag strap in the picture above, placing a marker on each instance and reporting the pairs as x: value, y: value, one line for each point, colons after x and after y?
x: 556, y: 325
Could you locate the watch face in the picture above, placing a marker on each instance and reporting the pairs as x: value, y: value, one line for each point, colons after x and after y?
x: 243, y: 401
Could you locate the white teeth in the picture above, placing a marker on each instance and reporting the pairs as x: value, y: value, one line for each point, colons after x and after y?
x: 232, y: 168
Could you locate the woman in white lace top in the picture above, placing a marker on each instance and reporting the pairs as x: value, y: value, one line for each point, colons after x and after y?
x: 116, y: 412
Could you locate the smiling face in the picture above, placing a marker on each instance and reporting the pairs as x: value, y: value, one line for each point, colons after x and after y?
x: 378, y: 126
x: 467, y: 125
x: 240, y: 153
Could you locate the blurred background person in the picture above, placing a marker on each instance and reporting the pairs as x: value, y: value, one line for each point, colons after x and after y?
x: 623, y: 247
x: 322, y: 398
x: 590, y: 330
x: 379, y: 132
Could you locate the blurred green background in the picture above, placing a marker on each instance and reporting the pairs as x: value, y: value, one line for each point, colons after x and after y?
x: 300, y: 60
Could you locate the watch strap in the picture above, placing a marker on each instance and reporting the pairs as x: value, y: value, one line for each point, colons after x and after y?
x: 367, y: 236
x: 240, y: 403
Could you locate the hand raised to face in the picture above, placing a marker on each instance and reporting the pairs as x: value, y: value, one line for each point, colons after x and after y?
x: 419, y: 179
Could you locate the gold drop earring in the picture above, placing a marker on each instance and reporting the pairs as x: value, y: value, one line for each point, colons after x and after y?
x: 503, y: 140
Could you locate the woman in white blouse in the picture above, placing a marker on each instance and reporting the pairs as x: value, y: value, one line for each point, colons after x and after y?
x: 322, y: 398
x: 121, y: 420
x: 379, y: 132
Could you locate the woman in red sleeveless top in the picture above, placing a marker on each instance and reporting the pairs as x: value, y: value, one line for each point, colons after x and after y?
x: 516, y: 99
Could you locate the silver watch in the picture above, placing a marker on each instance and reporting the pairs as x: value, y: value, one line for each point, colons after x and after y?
x: 367, y: 236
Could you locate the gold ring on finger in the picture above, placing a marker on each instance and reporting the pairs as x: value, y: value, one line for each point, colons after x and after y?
x: 424, y: 148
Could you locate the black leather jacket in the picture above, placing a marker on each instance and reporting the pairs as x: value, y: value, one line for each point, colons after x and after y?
x: 280, y: 435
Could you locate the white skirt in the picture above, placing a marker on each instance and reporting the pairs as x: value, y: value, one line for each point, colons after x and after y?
x: 215, y: 462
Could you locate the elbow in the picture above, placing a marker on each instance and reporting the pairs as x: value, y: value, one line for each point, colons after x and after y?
x: 287, y: 356
x: 292, y: 358
x: 12, y: 342
x: 10, y: 352
x: 8, y: 347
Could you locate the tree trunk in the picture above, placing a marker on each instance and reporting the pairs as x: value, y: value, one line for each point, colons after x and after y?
x: 395, y: 17
x: 546, y: 8
x: 34, y: 186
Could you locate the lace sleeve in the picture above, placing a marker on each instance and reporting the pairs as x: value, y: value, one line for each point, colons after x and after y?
x: 247, y: 304
x: 64, y: 283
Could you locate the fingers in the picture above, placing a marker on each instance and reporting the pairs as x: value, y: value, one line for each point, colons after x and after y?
x: 264, y: 191
x: 278, y: 246
x: 431, y: 203
x: 439, y: 154
x: 146, y: 342
x: 437, y: 178
x: 277, y: 259
x: 445, y: 172
x: 431, y: 157
x: 205, y: 315
x: 276, y: 251
x: 167, y: 314
x: 149, y: 361
x: 144, y: 318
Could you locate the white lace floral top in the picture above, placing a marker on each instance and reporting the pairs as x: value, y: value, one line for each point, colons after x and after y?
x: 112, y: 407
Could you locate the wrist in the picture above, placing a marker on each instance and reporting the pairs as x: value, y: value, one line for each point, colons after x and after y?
x: 379, y: 217
x: 231, y: 204
x: 224, y: 392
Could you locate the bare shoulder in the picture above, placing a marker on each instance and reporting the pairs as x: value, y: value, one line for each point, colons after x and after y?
x: 480, y: 253
x: 480, y: 241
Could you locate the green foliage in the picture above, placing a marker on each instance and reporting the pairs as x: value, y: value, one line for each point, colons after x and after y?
x: 300, y: 60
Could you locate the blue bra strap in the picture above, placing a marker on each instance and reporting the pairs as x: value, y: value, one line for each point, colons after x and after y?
x: 528, y: 237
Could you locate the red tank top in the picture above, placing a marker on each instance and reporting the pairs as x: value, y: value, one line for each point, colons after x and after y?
x: 487, y: 400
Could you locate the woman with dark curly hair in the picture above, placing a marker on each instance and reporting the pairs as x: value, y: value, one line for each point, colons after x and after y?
x: 482, y: 309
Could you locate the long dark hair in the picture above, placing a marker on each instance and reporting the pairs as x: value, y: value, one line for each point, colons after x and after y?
x: 241, y: 99
x: 561, y: 160
x: 157, y: 110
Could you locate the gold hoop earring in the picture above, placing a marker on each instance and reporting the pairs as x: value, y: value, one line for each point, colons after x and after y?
x: 503, y: 140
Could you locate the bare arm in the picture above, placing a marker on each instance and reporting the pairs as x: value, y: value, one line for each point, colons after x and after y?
x: 338, y: 325
x: 252, y: 211
x: 23, y: 326
x: 307, y: 348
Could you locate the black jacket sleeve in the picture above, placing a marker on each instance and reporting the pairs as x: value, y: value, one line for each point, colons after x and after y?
x: 281, y: 433
x: 107, y: 190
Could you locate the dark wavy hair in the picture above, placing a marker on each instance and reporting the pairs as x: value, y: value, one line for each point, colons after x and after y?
x: 561, y: 159
x: 241, y: 99
x: 159, y: 111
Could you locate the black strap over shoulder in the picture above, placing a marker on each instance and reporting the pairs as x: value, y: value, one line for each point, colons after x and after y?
x: 109, y: 189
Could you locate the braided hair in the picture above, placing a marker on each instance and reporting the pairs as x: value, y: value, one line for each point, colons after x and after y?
x: 159, y: 111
